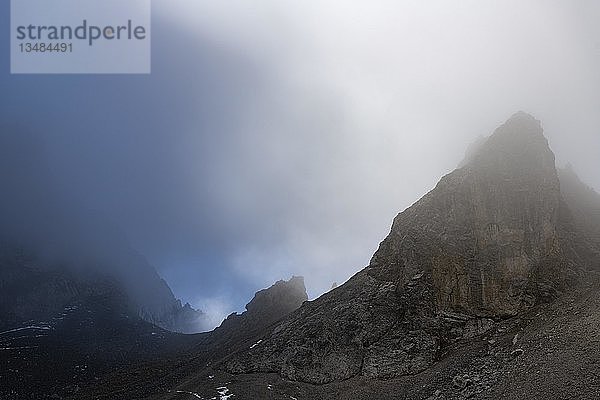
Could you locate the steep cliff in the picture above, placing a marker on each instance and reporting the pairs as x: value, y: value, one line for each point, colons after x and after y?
x: 492, y: 239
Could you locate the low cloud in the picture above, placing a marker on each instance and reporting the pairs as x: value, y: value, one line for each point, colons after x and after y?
x: 279, y: 138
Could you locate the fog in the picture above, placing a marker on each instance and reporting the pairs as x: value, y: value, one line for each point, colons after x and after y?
x: 279, y: 138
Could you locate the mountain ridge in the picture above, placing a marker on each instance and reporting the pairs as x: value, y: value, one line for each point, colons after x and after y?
x: 490, y: 241
x: 486, y: 287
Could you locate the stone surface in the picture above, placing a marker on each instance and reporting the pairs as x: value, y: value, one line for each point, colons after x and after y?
x: 491, y: 240
x: 268, y: 306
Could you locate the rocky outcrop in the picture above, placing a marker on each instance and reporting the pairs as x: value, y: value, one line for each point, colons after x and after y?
x: 267, y: 307
x: 483, y: 233
x: 276, y: 302
x: 492, y: 239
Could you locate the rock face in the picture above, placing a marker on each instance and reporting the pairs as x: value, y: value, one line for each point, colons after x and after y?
x: 274, y: 303
x: 486, y: 228
x: 492, y: 239
x: 267, y: 307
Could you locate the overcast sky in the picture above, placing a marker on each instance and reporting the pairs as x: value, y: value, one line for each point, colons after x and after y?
x: 278, y: 138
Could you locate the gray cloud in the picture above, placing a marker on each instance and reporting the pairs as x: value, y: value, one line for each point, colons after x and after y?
x: 279, y: 137
x: 365, y: 105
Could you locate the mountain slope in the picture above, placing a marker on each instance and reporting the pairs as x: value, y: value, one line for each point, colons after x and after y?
x: 59, y: 333
x: 487, y: 287
x: 493, y: 239
x: 162, y: 377
x: 549, y: 351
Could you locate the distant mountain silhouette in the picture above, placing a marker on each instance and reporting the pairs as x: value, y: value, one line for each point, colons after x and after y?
x: 46, y: 239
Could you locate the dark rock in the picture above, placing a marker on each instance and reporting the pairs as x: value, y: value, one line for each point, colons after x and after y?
x: 461, y: 381
x: 490, y: 241
x: 268, y: 306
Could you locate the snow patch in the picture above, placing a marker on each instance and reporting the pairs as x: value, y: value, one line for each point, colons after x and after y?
x: 224, y: 393
x: 18, y: 348
x: 41, y: 328
x: 196, y: 395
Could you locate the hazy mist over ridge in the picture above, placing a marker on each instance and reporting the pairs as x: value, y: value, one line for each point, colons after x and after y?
x: 281, y: 138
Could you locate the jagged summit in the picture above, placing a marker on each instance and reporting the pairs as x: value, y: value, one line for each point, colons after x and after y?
x: 520, y: 128
x: 489, y: 241
x: 267, y: 307
x: 499, y: 213
x: 521, y: 136
x: 521, y: 123
x: 522, y: 116
x: 518, y: 144
x: 281, y: 298
x: 271, y: 304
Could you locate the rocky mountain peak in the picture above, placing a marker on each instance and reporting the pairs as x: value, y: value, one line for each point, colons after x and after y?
x: 281, y: 298
x: 486, y: 243
x: 520, y: 124
x: 266, y: 307
x: 516, y: 148
x: 523, y: 118
x: 517, y: 144
x: 483, y: 232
